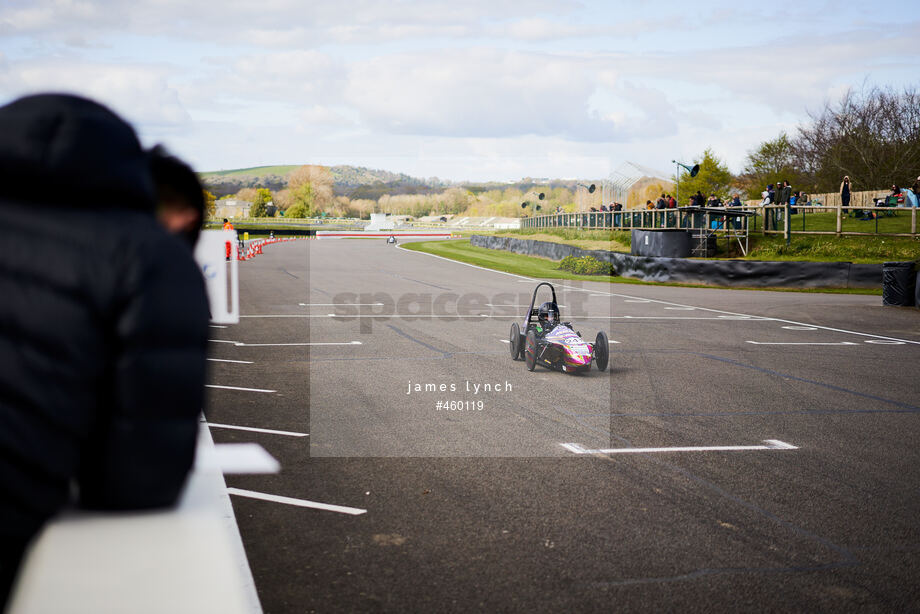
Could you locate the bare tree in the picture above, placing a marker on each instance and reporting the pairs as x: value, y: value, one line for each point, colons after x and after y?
x: 872, y: 135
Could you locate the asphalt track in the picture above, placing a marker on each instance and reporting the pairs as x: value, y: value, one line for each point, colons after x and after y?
x: 486, y: 510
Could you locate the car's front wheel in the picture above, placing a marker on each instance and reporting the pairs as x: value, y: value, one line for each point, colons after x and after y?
x: 601, y: 351
x: 530, y: 350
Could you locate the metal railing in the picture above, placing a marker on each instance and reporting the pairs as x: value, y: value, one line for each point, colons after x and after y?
x: 770, y: 219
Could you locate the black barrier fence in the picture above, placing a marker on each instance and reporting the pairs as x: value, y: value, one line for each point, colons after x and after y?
x: 740, y: 273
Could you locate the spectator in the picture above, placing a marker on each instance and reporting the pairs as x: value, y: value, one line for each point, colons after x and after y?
x: 735, y: 201
x: 785, y: 194
x: 845, y: 193
x: 714, y: 201
x: 700, y: 199
x: 672, y: 204
x: 104, y: 324
x: 617, y: 207
x: 771, y: 195
x: 895, y: 196
x: 180, y: 195
x: 649, y: 205
x: 661, y: 203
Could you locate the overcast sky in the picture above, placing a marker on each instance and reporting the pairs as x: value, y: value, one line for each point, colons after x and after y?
x: 460, y: 89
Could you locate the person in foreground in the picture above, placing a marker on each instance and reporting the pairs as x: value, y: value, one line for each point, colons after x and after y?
x: 103, y: 324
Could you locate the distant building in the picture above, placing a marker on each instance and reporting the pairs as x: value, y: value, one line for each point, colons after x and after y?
x: 231, y: 208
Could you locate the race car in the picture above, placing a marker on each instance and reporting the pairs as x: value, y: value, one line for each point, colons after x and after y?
x: 543, y: 339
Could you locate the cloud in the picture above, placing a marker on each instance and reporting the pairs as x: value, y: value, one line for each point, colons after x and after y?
x: 479, y: 93
x: 274, y: 23
x: 141, y: 93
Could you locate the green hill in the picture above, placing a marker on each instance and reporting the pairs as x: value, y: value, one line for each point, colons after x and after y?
x: 352, y: 181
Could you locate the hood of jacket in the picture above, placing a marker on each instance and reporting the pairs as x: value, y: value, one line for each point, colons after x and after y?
x: 68, y: 151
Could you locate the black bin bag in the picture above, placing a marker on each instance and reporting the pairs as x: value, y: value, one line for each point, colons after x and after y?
x: 899, y: 281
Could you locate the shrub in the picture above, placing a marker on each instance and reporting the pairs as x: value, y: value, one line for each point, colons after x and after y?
x: 586, y: 265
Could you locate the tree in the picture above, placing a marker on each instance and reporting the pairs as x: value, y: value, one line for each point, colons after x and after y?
x: 312, y: 185
x: 872, y: 135
x: 713, y: 178
x: 210, y: 204
x: 263, y: 196
x: 771, y: 162
x: 297, y: 210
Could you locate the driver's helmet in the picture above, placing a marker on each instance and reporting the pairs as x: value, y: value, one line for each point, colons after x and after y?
x: 548, y: 315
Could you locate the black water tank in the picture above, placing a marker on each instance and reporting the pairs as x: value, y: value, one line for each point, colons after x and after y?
x: 917, y: 291
x: 662, y: 243
x: 899, y: 282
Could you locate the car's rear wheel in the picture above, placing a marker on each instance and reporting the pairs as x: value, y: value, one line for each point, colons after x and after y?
x: 601, y: 351
x: 515, y: 342
x: 530, y: 350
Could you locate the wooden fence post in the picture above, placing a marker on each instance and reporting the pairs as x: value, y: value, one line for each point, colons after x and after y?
x: 839, y: 218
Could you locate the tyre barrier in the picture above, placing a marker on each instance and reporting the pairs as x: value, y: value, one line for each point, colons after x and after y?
x: 726, y: 273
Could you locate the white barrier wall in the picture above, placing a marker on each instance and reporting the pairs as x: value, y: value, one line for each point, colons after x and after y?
x: 220, y: 275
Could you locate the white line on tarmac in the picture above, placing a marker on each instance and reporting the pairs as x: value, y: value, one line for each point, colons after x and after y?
x: 528, y: 305
x: 681, y: 308
x: 772, y: 444
x: 335, y: 305
x: 215, y: 326
x: 298, y: 502
x: 242, y: 362
x: 523, y: 279
x: 237, y: 388
x: 489, y: 315
x: 267, y: 345
x: 799, y: 327
x: 256, y: 430
x: 220, y: 341
x: 799, y: 343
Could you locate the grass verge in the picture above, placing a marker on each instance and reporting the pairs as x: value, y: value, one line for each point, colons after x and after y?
x: 543, y: 268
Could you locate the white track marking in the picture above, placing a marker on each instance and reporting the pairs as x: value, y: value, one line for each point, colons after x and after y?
x: 799, y: 327
x: 504, y: 317
x: 800, y: 343
x: 256, y: 430
x: 237, y: 388
x: 242, y: 362
x: 335, y: 305
x: 271, y: 345
x: 522, y: 279
x: 215, y: 326
x: 220, y: 341
x: 519, y: 306
x: 772, y: 444
x: 884, y: 341
x: 353, y: 511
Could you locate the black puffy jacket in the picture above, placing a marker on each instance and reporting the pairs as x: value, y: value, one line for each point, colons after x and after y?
x: 103, y: 320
